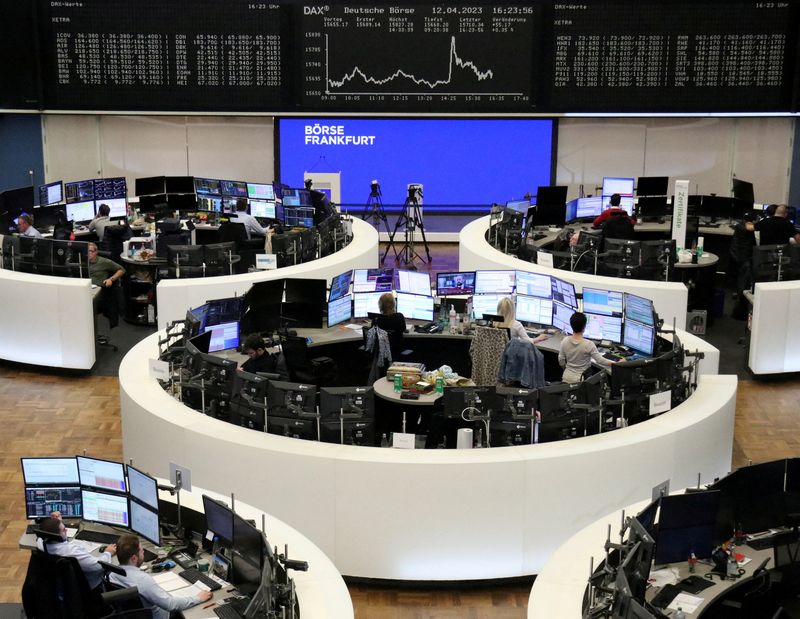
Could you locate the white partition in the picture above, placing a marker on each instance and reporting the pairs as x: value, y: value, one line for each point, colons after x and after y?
x: 430, y: 514
x: 321, y: 591
x: 774, y: 343
x: 175, y: 296
x: 474, y: 252
x: 46, y: 320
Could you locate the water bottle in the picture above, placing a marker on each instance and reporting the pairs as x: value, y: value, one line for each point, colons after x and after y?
x: 679, y: 614
x: 453, y: 319
x: 384, y: 440
x: 398, y: 383
x: 479, y: 438
x: 439, y: 384
x: 733, y: 567
x: 692, y: 563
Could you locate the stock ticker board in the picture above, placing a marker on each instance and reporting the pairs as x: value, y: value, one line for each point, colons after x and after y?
x: 431, y: 58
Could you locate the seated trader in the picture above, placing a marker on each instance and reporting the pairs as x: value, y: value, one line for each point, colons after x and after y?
x: 506, y: 309
x: 391, y: 321
x: 66, y: 548
x: 260, y: 360
x: 251, y: 225
x: 102, y: 220
x: 613, y: 210
x: 774, y: 229
x: 104, y: 272
x: 25, y: 225
x: 576, y: 353
x: 130, y: 554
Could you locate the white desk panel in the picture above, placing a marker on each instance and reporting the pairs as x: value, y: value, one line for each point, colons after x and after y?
x: 46, y: 320
x: 774, y: 342
x: 430, y: 514
x: 670, y: 298
x: 175, y: 296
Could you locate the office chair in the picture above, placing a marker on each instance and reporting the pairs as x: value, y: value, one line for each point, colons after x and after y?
x: 113, y: 238
x: 486, y: 351
x: 617, y: 227
x: 55, y: 587
x: 108, y: 302
x: 118, y: 598
x: 247, y: 249
x: 301, y: 367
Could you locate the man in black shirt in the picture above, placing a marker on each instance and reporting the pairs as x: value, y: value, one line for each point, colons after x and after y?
x: 775, y: 229
x: 260, y: 360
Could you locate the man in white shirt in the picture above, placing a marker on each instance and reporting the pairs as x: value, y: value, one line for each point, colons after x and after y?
x: 251, y: 225
x: 99, y: 223
x: 66, y: 548
x: 25, y: 225
x: 130, y: 554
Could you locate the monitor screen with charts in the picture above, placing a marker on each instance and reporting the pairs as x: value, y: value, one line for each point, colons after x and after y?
x: 142, y: 487
x: 52, y: 193
x: 145, y: 523
x: 224, y: 336
x: 412, y: 282
x: 80, y: 211
x: 41, y: 501
x: 106, y: 508
x: 102, y: 474
x: 340, y: 310
x: 365, y: 303
x: 564, y: 292
x: 415, y: 306
x: 534, y: 284
x: 373, y: 280
x: 262, y: 208
x: 639, y: 337
x: 599, y: 327
x: 50, y: 471
x: 606, y: 302
x: 340, y: 285
x: 494, y: 282
x: 561, y: 315
x: 534, y: 310
x: 589, y: 207
x: 260, y: 191
x: 622, y: 186
x: 118, y: 207
x: 639, y: 309
x: 485, y: 304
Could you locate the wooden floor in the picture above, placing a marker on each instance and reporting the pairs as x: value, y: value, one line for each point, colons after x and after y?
x: 47, y: 415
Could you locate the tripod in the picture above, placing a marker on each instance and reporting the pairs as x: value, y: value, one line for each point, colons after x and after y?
x: 373, y: 210
x: 410, y: 219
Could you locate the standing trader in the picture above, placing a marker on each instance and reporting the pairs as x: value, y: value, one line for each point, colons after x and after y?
x: 130, y: 554
x: 775, y: 229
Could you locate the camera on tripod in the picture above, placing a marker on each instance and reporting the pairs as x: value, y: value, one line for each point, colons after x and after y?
x: 375, y: 189
x: 414, y: 192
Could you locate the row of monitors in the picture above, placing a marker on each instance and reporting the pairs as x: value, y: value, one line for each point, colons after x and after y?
x: 213, y: 187
x: 453, y: 284
x: 98, y: 189
x: 92, y: 489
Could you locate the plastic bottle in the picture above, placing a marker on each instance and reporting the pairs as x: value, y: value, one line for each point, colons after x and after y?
x: 479, y: 438
x: 453, y: 319
x: 384, y: 440
x: 679, y: 614
x: 733, y: 566
x: 692, y: 563
x: 398, y: 383
x: 439, y: 384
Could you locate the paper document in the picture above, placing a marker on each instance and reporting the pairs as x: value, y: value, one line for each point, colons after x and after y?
x: 170, y: 581
x: 686, y: 602
x: 354, y: 327
x: 666, y: 576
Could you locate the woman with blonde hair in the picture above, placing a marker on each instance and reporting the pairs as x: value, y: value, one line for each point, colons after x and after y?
x: 505, y: 307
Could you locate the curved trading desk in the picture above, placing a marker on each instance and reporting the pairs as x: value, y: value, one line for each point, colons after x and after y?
x: 775, y: 350
x: 46, y: 320
x: 669, y: 298
x: 430, y: 514
x: 321, y: 592
x: 175, y: 296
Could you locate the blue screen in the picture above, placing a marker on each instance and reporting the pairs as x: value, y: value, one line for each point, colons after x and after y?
x: 456, y: 161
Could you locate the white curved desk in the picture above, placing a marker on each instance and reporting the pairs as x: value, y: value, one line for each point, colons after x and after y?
x: 175, y: 296
x: 430, y: 514
x: 774, y: 350
x: 474, y: 252
x: 321, y: 592
x: 46, y: 320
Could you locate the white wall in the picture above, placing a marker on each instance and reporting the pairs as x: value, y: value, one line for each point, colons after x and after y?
x: 707, y: 151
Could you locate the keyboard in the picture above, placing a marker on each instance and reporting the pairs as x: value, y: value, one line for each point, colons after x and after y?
x: 663, y: 598
x: 234, y: 609
x: 612, y: 356
x: 192, y: 575
x: 97, y: 537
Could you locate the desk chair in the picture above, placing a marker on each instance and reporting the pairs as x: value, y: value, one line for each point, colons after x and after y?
x: 113, y: 238
x: 55, y: 587
x: 304, y: 369
x: 486, y: 351
x: 107, y: 302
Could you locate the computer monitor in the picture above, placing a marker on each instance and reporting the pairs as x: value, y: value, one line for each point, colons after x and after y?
x: 110, y: 188
x: 563, y: 292
x: 495, y: 282
x: 298, y: 216
x: 532, y: 284
x: 41, y: 501
x: 261, y: 191
x: 144, y: 522
x: 639, y: 337
x: 639, y: 309
x: 600, y: 327
x: 229, y: 204
x: 415, y: 306
x: 412, y: 282
x: 518, y: 207
x: 548, y: 215
x: 296, y: 197
x: 179, y: 184
x: 653, y: 207
x: 535, y: 310
x: 210, y: 186
x: 112, y: 509
x: 219, y: 372
x: 686, y: 525
x: 219, y: 519
x: 348, y: 415
x: 50, y: 471
x: 340, y: 310
x: 185, y: 255
x: 79, y: 191
x: 561, y: 315
x: 247, y: 554
x: 459, y: 283
x: 150, y: 186
x: 615, y: 184
x: 627, y: 375
x: 209, y: 203
x: 102, y: 474
x: 304, y: 302
x: 340, y: 285
x: 153, y: 204
x: 262, y: 208
x: 80, y: 212
x: 51, y: 193
x: 287, y: 399
x: 606, y: 302
x: 652, y: 186
x: 591, y: 207
x: 456, y: 399
x: 142, y: 487
x: 373, y: 280
x: 485, y: 304
x: 118, y: 207
x: 557, y: 398
x: 365, y: 303
x: 743, y: 190
x: 224, y: 336
x: 233, y: 189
